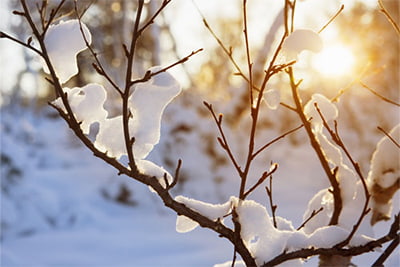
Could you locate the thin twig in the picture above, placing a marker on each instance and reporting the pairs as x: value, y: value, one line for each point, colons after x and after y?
x: 313, y: 214
x: 389, y: 17
x: 223, y: 140
x: 182, y: 60
x: 151, y: 20
x: 332, y: 19
x: 263, y: 177
x: 379, y: 95
x: 126, y: 92
x: 176, y: 176
x: 350, y: 84
x: 271, y: 204
x: 27, y: 45
x: 276, y: 139
x: 248, y: 55
x: 254, y: 110
x: 388, y: 136
x: 389, y: 250
x: 227, y: 51
x: 98, y: 66
x: 53, y: 14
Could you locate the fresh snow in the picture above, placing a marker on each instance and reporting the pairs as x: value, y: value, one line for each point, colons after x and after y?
x: 384, y: 174
x: 300, y: 40
x: 55, y: 213
x: 63, y: 42
x: 146, y: 104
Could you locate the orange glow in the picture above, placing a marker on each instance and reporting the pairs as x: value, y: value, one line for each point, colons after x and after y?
x: 334, y: 60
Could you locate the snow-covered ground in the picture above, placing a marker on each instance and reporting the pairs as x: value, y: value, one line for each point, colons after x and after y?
x: 54, y: 211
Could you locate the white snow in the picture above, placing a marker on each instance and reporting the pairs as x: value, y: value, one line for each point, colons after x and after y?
x: 299, y: 40
x: 56, y: 214
x: 63, y: 42
x: 211, y: 211
x: 351, y: 189
x: 86, y: 103
x: 385, y: 163
x: 328, y: 110
x: 146, y: 104
x: 384, y: 174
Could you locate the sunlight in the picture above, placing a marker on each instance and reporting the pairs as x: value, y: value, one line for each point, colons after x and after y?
x: 335, y: 60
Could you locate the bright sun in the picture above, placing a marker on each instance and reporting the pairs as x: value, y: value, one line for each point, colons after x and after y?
x: 336, y: 60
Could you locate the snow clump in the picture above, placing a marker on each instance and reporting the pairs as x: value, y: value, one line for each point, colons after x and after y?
x: 384, y: 176
x: 299, y: 40
x: 63, y: 42
x: 260, y: 236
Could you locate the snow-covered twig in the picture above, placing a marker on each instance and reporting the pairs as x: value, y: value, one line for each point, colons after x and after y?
x: 351, y: 251
x: 338, y: 140
x: 338, y: 204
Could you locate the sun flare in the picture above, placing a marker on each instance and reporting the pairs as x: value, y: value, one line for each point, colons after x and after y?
x: 336, y: 60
